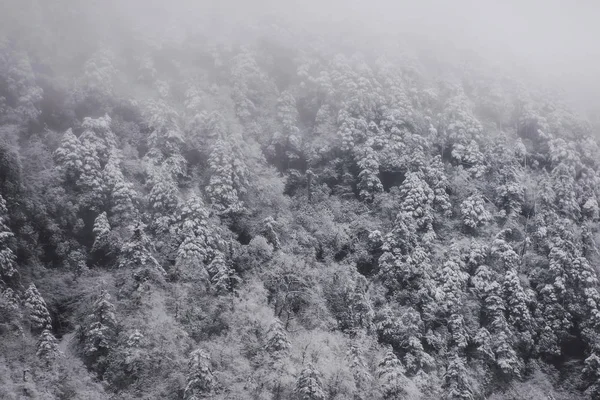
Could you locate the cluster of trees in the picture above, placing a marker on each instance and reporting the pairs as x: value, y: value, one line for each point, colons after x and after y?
x: 269, y: 218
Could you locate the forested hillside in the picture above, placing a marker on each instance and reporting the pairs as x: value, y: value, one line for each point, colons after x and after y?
x: 276, y: 214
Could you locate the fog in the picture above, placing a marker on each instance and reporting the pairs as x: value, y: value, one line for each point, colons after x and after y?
x: 549, y: 41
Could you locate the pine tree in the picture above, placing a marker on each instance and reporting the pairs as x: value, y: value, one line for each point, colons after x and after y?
x: 135, y: 253
x: 193, y: 217
x: 101, y: 233
x: 99, y: 331
x: 391, y: 375
x: 583, y: 297
x: 166, y: 137
x: 69, y: 156
x: 192, y: 254
x: 309, y: 385
x: 591, y: 374
x: 493, y: 308
x: 277, y: 341
x: 163, y: 201
x: 564, y: 187
x: 415, y: 357
x: 120, y: 193
x: 98, y: 132
x: 222, y: 277
x: 417, y: 200
x: 47, y: 348
x: 99, y: 74
x: 228, y: 179
x: 473, y: 212
x: 519, y: 315
x: 270, y: 234
x: 456, y: 385
x: 368, y: 177
x: 200, y: 379
x: 359, y: 368
x: 553, y: 316
x: 509, y: 190
x: 135, y: 339
x: 8, y: 265
x: 37, y: 310
x: 90, y: 181
x: 436, y: 178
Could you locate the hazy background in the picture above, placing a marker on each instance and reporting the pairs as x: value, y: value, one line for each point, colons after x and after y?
x: 551, y: 41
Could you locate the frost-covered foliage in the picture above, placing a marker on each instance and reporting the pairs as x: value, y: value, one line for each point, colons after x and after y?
x: 37, y: 309
x: 264, y: 214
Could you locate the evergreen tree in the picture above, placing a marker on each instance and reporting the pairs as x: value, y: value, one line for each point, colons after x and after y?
x: 228, y: 179
x: 222, y: 277
x: 473, y: 212
x: 192, y: 254
x: 195, y: 240
x: 277, y: 341
x: 8, y: 265
x: 163, y: 201
x: 97, y: 131
x: 509, y: 190
x: 436, y: 178
x: 591, y: 374
x: 120, y: 193
x: 309, y: 385
x: 270, y: 234
x: 368, y: 177
x: 391, y: 376
x: 359, y: 368
x: 99, y: 331
x: 456, y: 385
x: 90, y: 181
x: 166, y: 137
x: 101, y: 233
x: 493, y: 312
x: 200, y: 379
x: 69, y: 156
x: 518, y: 313
x: 135, y: 253
x: 564, y: 187
x: 417, y: 200
x: 37, y: 310
x: 47, y: 348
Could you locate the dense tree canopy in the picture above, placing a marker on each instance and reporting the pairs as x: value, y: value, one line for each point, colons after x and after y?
x: 188, y: 215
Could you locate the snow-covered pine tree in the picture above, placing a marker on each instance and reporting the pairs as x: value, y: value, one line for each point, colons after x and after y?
x: 369, y: 183
x: 69, y: 156
x: 228, y: 178
x: 192, y: 255
x: 99, y: 331
x: 474, y: 212
x: 456, y: 385
x: 37, y: 310
x: 222, y: 277
x: 277, y: 340
x: 517, y: 309
x: 270, y: 234
x: 390, y: 373
x: 90, y: 181
x: 359, y: 367
x: 135, y: 253
x: 8, y: 264
x: 163, y: 201
x: 200, y: 379
x: 101, y: 233
x: 309, y: 385
x: 120, y: 193
x: 47, y: 347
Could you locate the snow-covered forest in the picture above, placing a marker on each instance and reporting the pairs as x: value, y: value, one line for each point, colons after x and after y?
x: 195, y: 206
